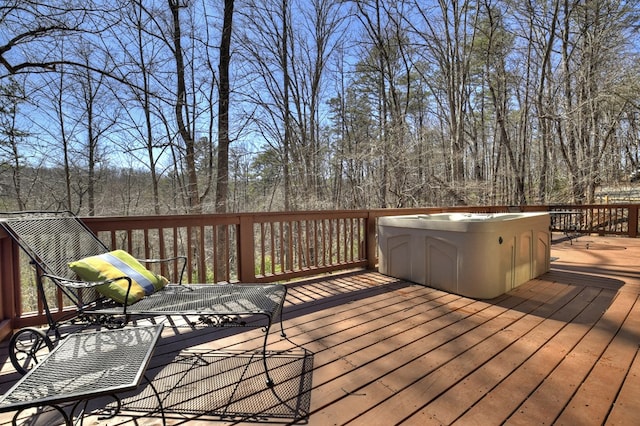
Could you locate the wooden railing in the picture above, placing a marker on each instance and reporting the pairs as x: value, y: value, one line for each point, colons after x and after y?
x: 265, y: 247
x: 245, y: 247
x: 601, y: 219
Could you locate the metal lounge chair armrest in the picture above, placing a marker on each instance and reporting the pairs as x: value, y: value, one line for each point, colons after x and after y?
x: 76, y: 284
x: 80, y: 284
x: 182, y: 262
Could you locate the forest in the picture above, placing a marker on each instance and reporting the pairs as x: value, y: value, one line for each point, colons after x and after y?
x: 122, y: 107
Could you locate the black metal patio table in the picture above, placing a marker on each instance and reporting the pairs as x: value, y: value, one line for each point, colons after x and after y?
x: 84, y: 366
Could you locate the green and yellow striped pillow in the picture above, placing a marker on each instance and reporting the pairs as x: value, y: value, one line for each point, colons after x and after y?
x: 116, y: 264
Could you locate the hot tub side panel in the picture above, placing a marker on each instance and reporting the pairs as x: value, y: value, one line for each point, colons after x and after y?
x: 398, y: 256
x: 473, y: 264
x: 484, y: 263
x: 394, y: 256
x: 438, y: 267
x: 542, y: 255
x: 523, y: 265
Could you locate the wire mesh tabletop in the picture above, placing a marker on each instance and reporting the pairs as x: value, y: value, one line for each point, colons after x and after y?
x: 86, y: 365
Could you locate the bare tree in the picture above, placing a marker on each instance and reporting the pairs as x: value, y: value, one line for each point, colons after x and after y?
x: 497, y: 46
x: 448, y: 42
x: 222, y: 187
x: 98, y: 116
x: 181, y: 110
x: 137, y: 39
x: 593, y: 88
x: 11, y: 136
x: 312, y: 45
x: 32, y: 24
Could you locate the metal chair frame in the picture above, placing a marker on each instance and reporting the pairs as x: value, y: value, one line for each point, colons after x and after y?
x: 53, y: 239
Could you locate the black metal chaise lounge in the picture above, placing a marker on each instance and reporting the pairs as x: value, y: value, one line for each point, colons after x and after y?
x: 55, y: 240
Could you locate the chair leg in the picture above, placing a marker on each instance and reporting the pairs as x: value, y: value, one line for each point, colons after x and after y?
x: 27, y: 347
x: 269, y: 381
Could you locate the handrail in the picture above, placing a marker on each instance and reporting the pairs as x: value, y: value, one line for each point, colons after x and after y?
x: 267, y: 247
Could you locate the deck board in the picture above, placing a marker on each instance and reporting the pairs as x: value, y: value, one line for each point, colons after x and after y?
x: 560, y: 349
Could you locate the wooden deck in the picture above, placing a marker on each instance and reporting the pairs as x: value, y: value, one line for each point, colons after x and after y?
x: 366, y: 349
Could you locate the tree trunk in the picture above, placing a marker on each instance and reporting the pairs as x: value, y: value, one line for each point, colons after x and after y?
x: 180, y: 106
x: 222, y: 181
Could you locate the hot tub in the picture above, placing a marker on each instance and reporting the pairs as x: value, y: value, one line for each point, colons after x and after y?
x: 471, y: 254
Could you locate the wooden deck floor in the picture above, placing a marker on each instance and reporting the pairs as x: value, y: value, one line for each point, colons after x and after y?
x: 367, y: 349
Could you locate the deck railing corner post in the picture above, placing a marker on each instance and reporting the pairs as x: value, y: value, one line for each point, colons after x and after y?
x: 633, y: 220
x: 10, y: 299
x: 371, y: 241
x: 246, y: 250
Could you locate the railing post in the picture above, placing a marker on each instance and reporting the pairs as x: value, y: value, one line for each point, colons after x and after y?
x: 633, y: 220
x: 246, y: 250
x: 9, y: 279
x: 372, y: 246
